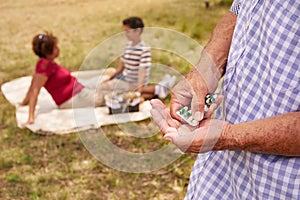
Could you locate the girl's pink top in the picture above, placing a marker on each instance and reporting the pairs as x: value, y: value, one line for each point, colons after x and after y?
x: 60, y: 84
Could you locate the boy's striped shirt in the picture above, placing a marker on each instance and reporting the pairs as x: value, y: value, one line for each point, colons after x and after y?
x: 133, y: 58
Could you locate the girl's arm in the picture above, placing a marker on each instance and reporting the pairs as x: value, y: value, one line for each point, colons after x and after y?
x: 38, y: 81
x: 28, y: 94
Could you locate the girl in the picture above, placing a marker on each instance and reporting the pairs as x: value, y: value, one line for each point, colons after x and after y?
x: 57, y: 80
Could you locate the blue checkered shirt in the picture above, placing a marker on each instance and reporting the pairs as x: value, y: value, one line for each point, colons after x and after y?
x: 262, y: 80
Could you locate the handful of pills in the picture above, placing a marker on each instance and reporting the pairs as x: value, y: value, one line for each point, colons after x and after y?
x: 186, y: 114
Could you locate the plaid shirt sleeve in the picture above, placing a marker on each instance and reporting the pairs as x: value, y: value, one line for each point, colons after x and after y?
x: 235, y: 7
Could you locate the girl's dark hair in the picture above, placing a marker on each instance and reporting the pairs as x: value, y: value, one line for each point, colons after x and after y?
x: 43, y: 44
x: 133, y: 22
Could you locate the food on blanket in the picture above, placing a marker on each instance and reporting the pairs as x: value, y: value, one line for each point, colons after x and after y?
x: 122, y: 103
x: 131, y: 95
x: 126, y: 97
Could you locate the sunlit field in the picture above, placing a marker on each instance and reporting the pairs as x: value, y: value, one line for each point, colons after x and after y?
x: 34, y: 166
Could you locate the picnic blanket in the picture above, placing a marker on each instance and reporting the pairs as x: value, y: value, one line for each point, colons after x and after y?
x: 51, y: 120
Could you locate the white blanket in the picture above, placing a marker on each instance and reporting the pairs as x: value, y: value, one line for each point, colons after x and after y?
x: 51, y: 120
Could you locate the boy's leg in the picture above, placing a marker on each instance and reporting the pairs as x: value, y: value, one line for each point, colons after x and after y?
x: 149, y: 89
x: 148, y: 92
x: 115, y: 85
x: 88, y: 97
x: 161, y: 90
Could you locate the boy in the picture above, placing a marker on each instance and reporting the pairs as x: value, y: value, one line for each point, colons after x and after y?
x: 133, y: 74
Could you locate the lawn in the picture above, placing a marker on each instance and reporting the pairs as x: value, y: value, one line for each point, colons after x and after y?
x: 54, y: 167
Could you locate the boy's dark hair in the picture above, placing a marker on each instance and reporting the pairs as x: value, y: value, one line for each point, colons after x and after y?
x: 133, y: 22
x: 43, y: 44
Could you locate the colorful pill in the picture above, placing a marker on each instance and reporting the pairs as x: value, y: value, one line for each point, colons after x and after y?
x: 182, y: 110
x: 187, y: 114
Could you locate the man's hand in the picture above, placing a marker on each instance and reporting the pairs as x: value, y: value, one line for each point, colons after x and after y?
x: 189, y: 139
x: 189, y: 91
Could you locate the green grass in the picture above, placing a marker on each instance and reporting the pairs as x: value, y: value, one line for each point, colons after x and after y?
x: 59, y: 167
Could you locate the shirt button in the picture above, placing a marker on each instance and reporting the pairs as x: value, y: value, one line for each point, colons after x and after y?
x: 246, y: 26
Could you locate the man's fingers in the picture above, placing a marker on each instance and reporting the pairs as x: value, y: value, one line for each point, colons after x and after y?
x: 171, y: 135
x: 160, y: 120
x: 157, y: 104
x: 197, y: 107
x: 160, y: 107
x: 214, y: 106
x: 180, y: 96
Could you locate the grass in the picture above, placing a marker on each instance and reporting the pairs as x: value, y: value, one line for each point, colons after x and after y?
x: 59, y: 166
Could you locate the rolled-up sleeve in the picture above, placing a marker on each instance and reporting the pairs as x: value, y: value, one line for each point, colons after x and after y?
x: 235, y: 7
